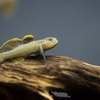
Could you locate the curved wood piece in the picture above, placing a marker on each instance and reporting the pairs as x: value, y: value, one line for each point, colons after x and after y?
x: 36, y: 79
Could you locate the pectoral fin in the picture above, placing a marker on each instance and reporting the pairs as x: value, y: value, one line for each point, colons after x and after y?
x: 42, y: 51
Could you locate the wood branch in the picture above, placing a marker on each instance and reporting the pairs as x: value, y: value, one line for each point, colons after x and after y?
x: 35, y: 79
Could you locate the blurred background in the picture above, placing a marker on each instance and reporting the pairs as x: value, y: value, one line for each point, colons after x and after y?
x: 75, y: 23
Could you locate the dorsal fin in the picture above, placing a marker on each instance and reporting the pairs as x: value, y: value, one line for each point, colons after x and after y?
x: 11, y: 44
x: 14, y: 42
x: 27, y: 38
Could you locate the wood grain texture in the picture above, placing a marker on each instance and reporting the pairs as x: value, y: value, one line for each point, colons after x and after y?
x: 34, y: 79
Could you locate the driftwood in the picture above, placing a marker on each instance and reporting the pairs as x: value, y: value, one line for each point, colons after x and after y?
x: 35, y: 79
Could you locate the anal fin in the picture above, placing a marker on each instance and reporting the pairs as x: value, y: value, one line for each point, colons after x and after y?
x: 20, y: 59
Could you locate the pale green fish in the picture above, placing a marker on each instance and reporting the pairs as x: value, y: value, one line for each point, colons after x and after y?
x: 21, y: 48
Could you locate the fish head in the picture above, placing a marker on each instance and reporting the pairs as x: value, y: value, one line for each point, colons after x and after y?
x: 49, y: 43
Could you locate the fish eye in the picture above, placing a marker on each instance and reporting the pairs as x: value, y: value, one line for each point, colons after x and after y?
x: 50, y: 39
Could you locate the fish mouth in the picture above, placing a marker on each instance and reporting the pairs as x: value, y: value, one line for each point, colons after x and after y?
x: 56, y: 41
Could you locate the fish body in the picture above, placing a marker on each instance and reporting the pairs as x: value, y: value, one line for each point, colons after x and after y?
x: 33, y: 47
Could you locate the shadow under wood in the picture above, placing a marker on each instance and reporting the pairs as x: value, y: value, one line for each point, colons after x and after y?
x: 13, y: 91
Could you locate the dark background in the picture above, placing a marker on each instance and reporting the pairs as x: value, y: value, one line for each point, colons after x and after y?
x: 76, y: 24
